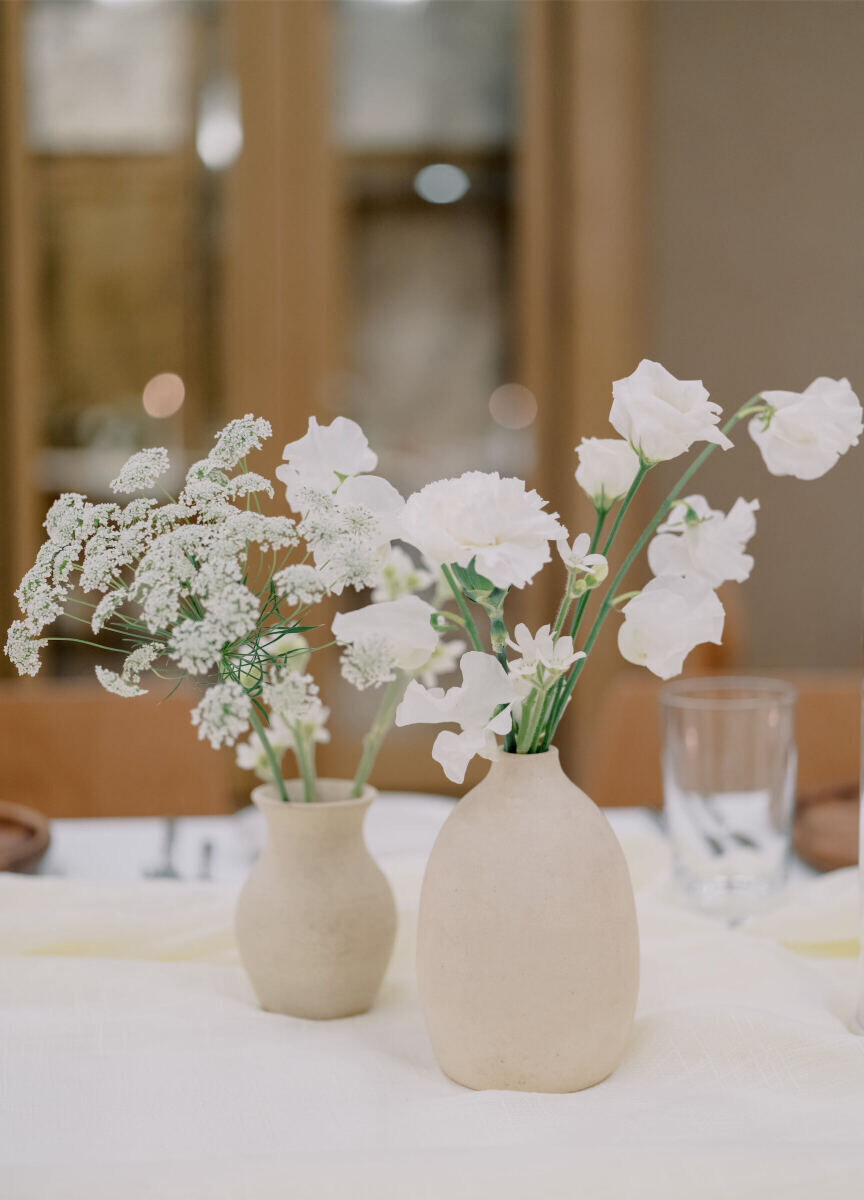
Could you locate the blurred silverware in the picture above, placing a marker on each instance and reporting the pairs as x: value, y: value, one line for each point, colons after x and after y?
x: 166, y: 869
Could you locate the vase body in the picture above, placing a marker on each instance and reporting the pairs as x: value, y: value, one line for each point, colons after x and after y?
x: 316, y: 919
x: 528, y: 949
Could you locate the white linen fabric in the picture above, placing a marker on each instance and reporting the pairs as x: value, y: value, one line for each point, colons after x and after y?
x: 136, y: 1064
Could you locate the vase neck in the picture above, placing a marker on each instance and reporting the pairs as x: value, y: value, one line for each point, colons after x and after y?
x: 530, y: 767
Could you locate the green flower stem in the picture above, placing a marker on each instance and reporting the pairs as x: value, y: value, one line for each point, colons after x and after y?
x: 275, y: 765
x: 304, y: 752
x: 644, y: 468
x: 463, y: 608
x: 381, y: 726
x: 749, y: 407
x: 498, y: 637
x: 598, y: 529
x: 551, y: 699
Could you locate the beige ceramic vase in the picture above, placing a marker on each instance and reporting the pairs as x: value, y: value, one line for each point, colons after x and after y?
x: 316, y: 918
x: 528, y: 950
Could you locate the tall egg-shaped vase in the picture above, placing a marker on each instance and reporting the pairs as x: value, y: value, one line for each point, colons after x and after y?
x: 316, y: 919
x: 528, y: 948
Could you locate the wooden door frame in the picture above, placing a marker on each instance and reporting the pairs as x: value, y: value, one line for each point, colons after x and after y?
x: 19, y: 382
x: 580, y: 252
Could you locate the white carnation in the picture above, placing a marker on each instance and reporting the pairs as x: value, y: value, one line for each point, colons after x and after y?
x: 482, y: 517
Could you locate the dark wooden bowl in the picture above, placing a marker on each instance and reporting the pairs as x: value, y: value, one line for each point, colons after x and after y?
x: 825, y: 831
x: 24, y: 837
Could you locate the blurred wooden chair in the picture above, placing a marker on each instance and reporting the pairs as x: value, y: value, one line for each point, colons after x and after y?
x: 69, y: 749
x: 623, y: 767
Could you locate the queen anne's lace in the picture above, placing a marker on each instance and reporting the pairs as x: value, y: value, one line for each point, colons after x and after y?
x: 222, y: 715
x: 368, y: 663
x: 126, y: 683
x: 140, y: 472
x: 23, y: 650
x: 300, y: 584
x: 238, y: 438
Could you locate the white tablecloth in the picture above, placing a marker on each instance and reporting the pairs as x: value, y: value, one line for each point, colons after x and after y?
x: 134, y: 1062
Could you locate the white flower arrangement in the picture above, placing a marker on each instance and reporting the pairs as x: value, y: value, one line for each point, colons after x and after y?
x: 490, y: 534
x: 201, y: 587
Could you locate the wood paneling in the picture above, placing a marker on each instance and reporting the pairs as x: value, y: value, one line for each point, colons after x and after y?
x: 69, y: 749
x: 579, y: 252
x: 18, y: 345
x: 281, y: 316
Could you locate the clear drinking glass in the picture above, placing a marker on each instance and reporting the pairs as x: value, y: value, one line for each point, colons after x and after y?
x: 729, y: 767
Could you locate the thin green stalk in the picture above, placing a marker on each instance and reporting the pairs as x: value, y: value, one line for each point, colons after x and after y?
x: 82, y: 642
x: 463, y: 608
x: 275, y: 765
x: 746, y: 409
x: 381, y: 726
x: 644, y: 468
x: 551, y: 699
x: 305, y: 755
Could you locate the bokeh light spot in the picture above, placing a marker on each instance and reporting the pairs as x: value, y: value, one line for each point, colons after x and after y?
x: 441, y: 183
x: 163, y: 395
x: 513, y: 406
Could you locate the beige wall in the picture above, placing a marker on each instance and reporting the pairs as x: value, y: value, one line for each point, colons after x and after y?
x: 756, y: 213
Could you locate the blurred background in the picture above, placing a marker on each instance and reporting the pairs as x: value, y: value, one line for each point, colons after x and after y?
x: 456, y: 221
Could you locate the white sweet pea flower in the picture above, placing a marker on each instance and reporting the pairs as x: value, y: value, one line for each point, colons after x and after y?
x: 661, y: 416
x: 699, y: 540
x: 541, y: 651
x: 324, y: 457
x: 670, y: 616
x: 383, y: 638
x: 445, y: 659
x: 481, y: 516
x: 607, y: 468
x: 371, y: 493
x: 485, y: 687
x: 803, y: 434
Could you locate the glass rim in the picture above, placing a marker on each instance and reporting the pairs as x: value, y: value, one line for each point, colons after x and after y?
x: 763, y: 691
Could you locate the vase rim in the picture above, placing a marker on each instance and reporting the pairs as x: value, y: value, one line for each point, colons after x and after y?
x: 265, y: 795
x: 509, y: 755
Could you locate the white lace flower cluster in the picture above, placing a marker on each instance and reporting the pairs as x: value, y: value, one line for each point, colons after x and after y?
x: 381, y: 639
x: 174, y: 581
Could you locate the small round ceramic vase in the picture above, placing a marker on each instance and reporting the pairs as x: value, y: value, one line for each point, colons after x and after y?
x: 528, y: 949
x: 316, y: 919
